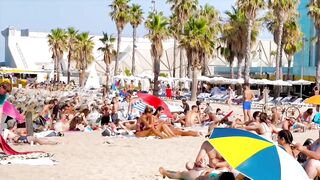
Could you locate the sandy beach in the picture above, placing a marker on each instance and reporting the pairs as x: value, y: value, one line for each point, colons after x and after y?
x: 90, y: 156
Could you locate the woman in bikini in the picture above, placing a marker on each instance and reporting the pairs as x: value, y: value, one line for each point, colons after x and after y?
x: 147, y: 125
x: 176, y: 131
x: 285, y: 139
x: 263, y: 128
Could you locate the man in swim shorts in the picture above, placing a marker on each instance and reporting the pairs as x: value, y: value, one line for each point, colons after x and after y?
x: 247, y: 100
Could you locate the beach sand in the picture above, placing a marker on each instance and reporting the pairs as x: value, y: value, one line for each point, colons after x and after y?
x: 91, y: 156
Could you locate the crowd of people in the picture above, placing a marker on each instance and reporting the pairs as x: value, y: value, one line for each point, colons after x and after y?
x: 114, y: 115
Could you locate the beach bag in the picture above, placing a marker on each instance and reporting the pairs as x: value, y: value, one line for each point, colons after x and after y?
x: 108, y: 132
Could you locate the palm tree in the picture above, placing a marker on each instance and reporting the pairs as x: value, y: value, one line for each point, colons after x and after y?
x: 72, y: 39
x: 293, y: 41
x: 314, y: 12
x: 119, y: 15
x: 198, y: 41
x: 57, y: 40
x: 136, y: 18
x: 229, y: 55
x: 157, y: 25
x: 281, y: 9
x: 108, y: 54
x: 212, y: 15
x: 174, y: 31
x: 250, y: 8
x: 183, y: 9
x: 233, y: 34
x: 84, y: 54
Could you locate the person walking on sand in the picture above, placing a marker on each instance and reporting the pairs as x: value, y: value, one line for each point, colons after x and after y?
x: 247, y: 100
x: 231, y: 96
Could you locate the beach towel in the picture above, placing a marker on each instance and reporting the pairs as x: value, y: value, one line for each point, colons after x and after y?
x: 9, y: 151
x: 28, y: 159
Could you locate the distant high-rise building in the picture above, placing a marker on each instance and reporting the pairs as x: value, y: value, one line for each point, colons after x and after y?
x: 305, y: 61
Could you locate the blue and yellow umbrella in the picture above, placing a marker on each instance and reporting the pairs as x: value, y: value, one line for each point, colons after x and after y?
x: 254, y: 156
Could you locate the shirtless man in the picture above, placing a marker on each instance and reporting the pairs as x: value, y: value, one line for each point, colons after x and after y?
x: 192, y: 116
x: 275, y: 118
x: 200, y: 168
x: 247, y: 100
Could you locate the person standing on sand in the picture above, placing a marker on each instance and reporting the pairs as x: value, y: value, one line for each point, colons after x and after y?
x: 247, y: 100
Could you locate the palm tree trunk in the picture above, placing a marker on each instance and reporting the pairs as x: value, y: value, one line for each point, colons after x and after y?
x: 278, y: 57
x: 118, y: 52
x: 82, y: 78
x: 55, y: 69
x: 194, y: 83
x: 289, y: 67
x: 181, y: 62
x: 69, y: 62
x: 280, y: 62
x: 231, y: 70
x: 156, y: 71
x: 107, y: 77
x: 239, y: 74
x: 133, y: 68
x: 279, y: 50
x: 205, y: 65
x: 58, y: 70
x: 248, y: 52
x: 318, y: 63
x: 174, y: 57
x: 189, y: 74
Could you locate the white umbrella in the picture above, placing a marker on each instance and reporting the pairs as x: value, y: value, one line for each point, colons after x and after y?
x: 185, y: 79
x: 145, y: 75
x: 262, y: 81
x: 161, y: 78
x: 203, y: 78
x: 280, y: 83
x: 219, y: 80
x: 119, y: 76
x: 300, y: 82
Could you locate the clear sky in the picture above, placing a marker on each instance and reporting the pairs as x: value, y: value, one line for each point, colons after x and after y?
x: 85, y: 15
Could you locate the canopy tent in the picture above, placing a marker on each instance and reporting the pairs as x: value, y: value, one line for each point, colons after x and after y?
x: 93, y: 79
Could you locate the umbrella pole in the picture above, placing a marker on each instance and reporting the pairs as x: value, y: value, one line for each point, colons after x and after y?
x: 301, y: 90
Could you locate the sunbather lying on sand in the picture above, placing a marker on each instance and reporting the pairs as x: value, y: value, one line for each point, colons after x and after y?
x: 11, y: 135
x: 201, y: 168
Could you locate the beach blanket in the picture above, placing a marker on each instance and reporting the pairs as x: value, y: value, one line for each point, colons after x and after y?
x: 28, y: 159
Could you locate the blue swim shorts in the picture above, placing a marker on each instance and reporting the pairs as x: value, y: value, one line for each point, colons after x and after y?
x: 247, y: 105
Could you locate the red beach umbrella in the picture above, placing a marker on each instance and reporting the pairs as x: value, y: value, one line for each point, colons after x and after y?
x: 10, y: 110
x: 155, y: 102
